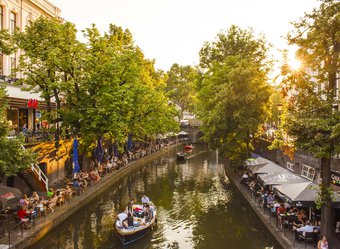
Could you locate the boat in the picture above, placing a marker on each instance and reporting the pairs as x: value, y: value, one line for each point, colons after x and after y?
x: 188, y: 147
x: 139, y: 230
x: 181, y: 156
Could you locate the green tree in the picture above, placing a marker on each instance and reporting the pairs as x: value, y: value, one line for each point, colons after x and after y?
x: 121, y: 92
x: 181, y: 86
x: 233, y: 91
x: 309, y: 118
x: 13, y: 158
x: 49, y: 64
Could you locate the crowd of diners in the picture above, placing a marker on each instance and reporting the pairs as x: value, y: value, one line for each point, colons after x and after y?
x: 39, y: 205
x: 289, y: 218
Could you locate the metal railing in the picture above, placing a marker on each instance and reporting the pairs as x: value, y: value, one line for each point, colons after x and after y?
x: 42, y: 177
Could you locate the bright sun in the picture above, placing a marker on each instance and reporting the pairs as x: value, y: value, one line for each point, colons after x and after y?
x: 294, y: 63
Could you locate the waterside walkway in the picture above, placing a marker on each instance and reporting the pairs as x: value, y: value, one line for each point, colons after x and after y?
x: 23, y: 238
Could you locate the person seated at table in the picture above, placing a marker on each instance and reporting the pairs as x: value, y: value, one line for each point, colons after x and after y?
x: 60, y: 199
x: 270, y: 199
x: 281, y: 209
x: 52, y: 203
x: 100, y: 169
x: 68, y: 194
x: 298, y: 222
x: 50, y: 193
x: 293, y: 210
x: 287, y: 205
x: 308, y: 228
x: 276, y: 205
x: 128, y: 222
x: 23, y: 215
x: 24, y: 202
x: 35, y: 197
x: 302, y: 212
x: 94, y: 176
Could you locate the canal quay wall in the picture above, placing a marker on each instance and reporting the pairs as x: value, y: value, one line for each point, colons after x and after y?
x: 20, y: 240
x: 285, y: 240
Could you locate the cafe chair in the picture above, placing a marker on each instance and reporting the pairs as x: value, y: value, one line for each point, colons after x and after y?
x: 308, y: 238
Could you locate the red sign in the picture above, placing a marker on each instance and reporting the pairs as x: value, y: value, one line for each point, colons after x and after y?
x: 32, y: 103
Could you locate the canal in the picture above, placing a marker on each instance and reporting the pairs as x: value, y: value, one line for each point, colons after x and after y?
x: 197, y: 208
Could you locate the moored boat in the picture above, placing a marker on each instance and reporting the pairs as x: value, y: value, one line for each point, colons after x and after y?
x: 139, y: 229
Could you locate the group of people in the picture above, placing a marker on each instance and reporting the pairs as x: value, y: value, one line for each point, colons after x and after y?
x: 287, y: 215
x: 140, y: 214
x: 35, y: 206
x: 30, y: 208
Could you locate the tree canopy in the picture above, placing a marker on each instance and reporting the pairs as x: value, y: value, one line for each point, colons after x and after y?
x: 180, y: 86
x: 311, y: 120
x: 104, y: 86
x: 233, y: 91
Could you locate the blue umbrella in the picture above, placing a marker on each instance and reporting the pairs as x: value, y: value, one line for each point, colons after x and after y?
x: 115, y: 150
x: 76, y: 167
x: 130, y: 143
x: 99, y: 151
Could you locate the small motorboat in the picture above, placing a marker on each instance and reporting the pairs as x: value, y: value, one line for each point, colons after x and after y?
x: 140, y: 228
x: 181, y: 156
x: 188, y: 147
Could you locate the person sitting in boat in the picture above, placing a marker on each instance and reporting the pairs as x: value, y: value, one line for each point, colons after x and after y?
x: 128, y: 222
x: 149, y: 214
x: 145, y: 199
x: 130, y: 208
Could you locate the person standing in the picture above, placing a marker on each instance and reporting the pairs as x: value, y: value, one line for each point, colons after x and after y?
x: 323, y: 244
x: 145, y: 199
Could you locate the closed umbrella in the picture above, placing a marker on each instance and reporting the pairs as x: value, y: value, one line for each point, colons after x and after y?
x: 99, y: 153
x: 76, y: 166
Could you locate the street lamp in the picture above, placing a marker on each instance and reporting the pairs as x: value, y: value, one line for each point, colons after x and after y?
x: 279, y: 107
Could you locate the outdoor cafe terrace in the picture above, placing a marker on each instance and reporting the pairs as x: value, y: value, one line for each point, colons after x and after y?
x: 287, y: 199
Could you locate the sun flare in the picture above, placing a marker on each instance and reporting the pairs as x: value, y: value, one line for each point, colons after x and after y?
x: 294, y: 63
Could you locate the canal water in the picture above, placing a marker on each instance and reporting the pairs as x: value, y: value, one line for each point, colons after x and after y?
x: 197, y: 208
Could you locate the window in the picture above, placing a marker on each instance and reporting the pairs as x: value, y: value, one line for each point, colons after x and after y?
x: 13, y: 22
x: 1, y: 17
x: 308, y: 172
x: 290, y: 166
x: 13, y: 64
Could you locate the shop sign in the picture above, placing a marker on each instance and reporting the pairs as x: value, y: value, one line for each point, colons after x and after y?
x: 32, y: 103
x: 335, y: 178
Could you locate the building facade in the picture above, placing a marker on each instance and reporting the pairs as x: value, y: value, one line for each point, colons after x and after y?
x: 24, y: 107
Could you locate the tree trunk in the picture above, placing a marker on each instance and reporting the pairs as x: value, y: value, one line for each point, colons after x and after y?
x: 326, y: 206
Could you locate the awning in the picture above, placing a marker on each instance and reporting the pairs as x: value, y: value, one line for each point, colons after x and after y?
x: 255, y: 161
x: 303, y: 193
x: 182, y: 133
x: 269, y: 168
x: 282, y: 177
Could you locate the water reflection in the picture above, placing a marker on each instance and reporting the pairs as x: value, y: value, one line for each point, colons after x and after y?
x: 197, y: 208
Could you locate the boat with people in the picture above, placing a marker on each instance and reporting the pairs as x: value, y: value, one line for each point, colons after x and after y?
x: 181, y: 156
x: 137, y: 221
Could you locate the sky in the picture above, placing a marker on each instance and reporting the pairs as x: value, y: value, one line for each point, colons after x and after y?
x: 173, y: 31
